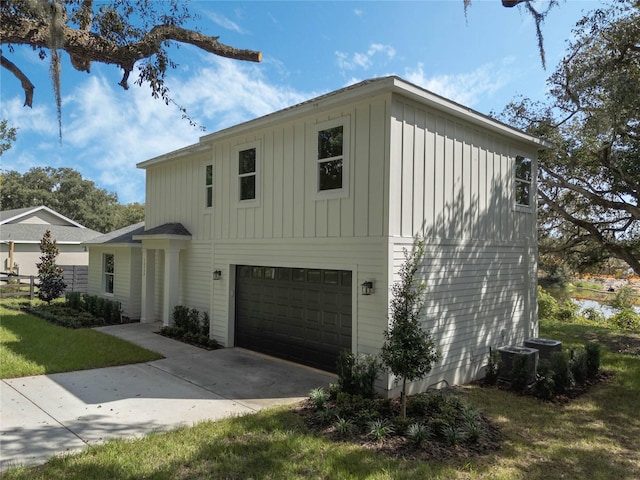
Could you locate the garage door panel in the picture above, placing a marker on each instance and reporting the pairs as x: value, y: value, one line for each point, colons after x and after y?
x: 299, y: 314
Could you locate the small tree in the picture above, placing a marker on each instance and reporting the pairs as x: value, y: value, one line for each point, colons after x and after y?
x: 51, y: 282
x: 408, y: 350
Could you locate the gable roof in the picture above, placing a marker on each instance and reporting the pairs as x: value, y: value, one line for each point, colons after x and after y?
x: 12, y: 229
x: 15, y: 215
x: 120, y: 236
x: 390, y: 84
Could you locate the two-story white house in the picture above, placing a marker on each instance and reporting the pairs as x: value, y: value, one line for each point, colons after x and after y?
x: 290, y: 229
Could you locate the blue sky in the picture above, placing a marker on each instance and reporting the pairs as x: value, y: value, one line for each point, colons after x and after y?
x: 483, y: 61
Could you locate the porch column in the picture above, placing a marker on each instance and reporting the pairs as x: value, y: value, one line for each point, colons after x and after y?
x: 171, y: 283
x: 148, y: 280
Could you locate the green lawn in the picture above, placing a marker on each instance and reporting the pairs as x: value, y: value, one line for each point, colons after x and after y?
x: 32, y: 346
x: 593, y: 437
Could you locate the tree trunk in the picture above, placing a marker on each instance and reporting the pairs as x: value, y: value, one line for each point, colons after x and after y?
x: 403, y: 400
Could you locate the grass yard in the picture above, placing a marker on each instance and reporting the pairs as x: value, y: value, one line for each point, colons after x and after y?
x: 595, y: 437
x: 32, y: 346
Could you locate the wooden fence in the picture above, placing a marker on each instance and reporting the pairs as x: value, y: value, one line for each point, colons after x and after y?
x: 18, y: 285
x: 76, y: 277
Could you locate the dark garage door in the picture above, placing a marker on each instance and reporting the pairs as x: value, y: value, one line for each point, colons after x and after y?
x: 298, y: 314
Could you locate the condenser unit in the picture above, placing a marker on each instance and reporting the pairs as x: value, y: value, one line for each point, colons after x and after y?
x: 507, y: 356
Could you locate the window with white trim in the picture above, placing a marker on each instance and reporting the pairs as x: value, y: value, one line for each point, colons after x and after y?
x: 247, y: 174
x: 108, y: 268
x: 332, y: 157
x: 208, y: 185
x: 523, y: 179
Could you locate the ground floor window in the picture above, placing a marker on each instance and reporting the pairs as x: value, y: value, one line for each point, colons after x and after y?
x: 108, y: 269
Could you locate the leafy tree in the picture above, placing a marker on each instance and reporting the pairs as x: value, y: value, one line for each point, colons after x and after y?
x: 126, y: 215
x: 590, y: 179
x: 7, y: 136
x: 408, y: 350
x: 65, y: 191
x: 125, y: 33
x: 50, y: 275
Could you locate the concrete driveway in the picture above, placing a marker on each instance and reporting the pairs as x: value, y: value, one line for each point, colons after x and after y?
x: 46, y: 415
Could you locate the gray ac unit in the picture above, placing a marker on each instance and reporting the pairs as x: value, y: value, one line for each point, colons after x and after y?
x: 544, y: 346
x: 507, y: 356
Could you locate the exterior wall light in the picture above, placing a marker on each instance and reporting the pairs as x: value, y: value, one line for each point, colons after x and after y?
x: 367, y: 287
x: 217, y: 274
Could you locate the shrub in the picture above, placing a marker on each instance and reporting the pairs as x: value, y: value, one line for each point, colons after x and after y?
x: 547, y: 305
x: 104, y: 308
x: 357, y: 374
x: 379, y: 429
x: 344, y: 426
x: 579, y: 366
x: 520, y: 373
x: 545, y: 386
x: 190, y: 326
x: 626, y: 319
x: 74, y: 300
x: 493, y: 366
x: 593, y: 315
x: 593, y: 359
x: 418, y: 433
x: 624, y: 298
x: 560, y: 366
x: 318, y: 397
x: 567, y: 311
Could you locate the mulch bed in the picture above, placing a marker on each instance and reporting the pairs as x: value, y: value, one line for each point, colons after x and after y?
x: 400, y: 446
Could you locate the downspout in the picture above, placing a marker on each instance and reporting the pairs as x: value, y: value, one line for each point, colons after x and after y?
x: 11, y: 248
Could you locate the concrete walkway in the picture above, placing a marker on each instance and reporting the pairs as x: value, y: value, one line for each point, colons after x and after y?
x: 47, y: 415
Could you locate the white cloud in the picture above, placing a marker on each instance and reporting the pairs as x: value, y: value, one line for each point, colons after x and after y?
x: 223, y: 93
x: 364, y: 60
x: 358, y: 12
x: 223, y: 21
x: 107, y: 130
x: 464, y: 88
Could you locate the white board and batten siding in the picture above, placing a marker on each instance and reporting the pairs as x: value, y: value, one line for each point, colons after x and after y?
x: 290, y: 225
x: 452, y: 184
x: 127, y: 265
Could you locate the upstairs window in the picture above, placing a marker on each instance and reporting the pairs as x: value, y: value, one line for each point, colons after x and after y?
x: 108, y: 269
x: 331, y: 158
x: 247, y: 174
x: 208, y: 185
x: 523, y: 181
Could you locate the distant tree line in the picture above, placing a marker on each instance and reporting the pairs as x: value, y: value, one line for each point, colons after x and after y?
x: 65, y: 191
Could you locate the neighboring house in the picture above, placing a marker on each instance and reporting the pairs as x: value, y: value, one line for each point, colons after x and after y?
x: 21, y: 231
x: 116, y: 261
x: 276, y: 227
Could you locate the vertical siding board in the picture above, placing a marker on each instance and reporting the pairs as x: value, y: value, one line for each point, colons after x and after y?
x: 467, y: 182
x: 265, y: 219
x: 408, y: 160
x: 291, y: 185
x: 280, y: 210
x: 305, y: 149
x: 339, y: 210
x: 395, y: 170
x: 361, y: 165
x: 450, y: 192
x: 321, y: 216
x: 419, y: 184
x: 458, y: 210
x: 473, y: 185
x: 377, y: 195
x: 439, y: 179
x: 429, y: 175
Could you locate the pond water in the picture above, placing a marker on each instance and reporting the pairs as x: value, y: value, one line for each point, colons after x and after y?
x: 606, y: 310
